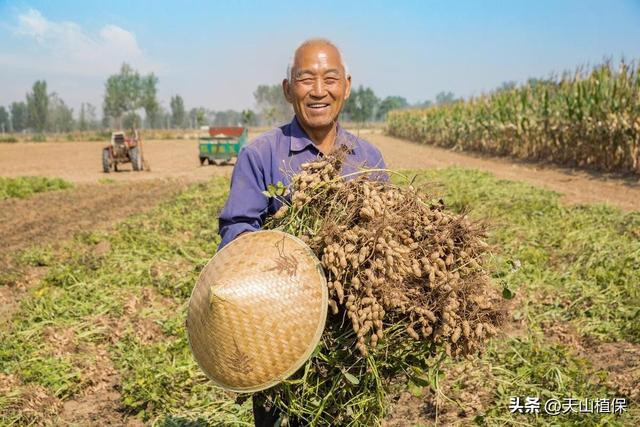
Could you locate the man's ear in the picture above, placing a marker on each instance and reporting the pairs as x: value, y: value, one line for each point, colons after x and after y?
x: 286, y: 89
x: 348, y: 87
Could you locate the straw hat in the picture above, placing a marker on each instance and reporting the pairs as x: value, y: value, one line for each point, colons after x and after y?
x: 257, y: 311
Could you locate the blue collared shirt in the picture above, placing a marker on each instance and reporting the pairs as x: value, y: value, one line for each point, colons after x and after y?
x: 273, y: 157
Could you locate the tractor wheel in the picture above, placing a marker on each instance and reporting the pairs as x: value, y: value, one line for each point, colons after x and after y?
x: 211, y: 161
x: 136, y: 158
x: 202, y: 159
x: 105, y: 161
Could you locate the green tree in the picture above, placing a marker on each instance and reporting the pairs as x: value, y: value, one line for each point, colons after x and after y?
x: 390, y: 103
x: 248, y: 118
x: 122, y: 93
x: 127, y: 91
x: 178, y: 112
x: 87, y: 119
x: 19, y: 116
x: 37, y: 106
x: 507, y: 86
x: 162, y: 118
x: 197, y: 116
x: 272, y: 105
x: 59, y: 115
x: 131, y: 120
x: 361, y: 105
x: 444, y: 98
x: 227, y: 118
x: 82, y: 118
x: 149, y: 101
x: 5, y: 122
x: 91, y: 116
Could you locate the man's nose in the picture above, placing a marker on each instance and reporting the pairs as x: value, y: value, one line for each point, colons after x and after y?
x: 318, y: 89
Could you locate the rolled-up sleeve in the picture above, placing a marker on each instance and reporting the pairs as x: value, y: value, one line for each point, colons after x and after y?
x: 246, y: 207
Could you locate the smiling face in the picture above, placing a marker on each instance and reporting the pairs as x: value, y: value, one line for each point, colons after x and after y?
x: 318, y: 85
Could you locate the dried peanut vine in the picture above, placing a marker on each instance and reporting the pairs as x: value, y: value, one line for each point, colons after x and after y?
x: 406, y: 281
x: 391, y: 256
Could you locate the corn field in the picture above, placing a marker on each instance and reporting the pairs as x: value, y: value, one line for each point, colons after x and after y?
x: 583, y: 119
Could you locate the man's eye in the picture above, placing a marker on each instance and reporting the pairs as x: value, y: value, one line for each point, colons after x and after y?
x: 305, y: 81
x: 330, y: 80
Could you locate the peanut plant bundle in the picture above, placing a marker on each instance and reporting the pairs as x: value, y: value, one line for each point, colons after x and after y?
x: 406, y: 286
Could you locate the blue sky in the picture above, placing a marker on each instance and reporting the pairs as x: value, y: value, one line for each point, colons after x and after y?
x: 214, y: 53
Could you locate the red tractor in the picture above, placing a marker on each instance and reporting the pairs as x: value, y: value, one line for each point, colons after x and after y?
x: 123, y: 150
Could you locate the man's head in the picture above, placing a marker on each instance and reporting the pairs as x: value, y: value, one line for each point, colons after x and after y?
x: 317, y: 83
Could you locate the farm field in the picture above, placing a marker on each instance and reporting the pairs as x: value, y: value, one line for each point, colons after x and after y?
x: 79, y: 162
x: 96, y: 278
x: 96, y: 294
x: 476, y: 262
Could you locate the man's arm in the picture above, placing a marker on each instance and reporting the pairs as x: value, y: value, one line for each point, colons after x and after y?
x: 376, y: 161
x: 246, y: 206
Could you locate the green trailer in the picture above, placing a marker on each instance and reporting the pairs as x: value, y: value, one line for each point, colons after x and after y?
x: 221, y: 145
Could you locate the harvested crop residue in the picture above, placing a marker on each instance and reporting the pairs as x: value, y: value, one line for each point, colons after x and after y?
x: 465, y: 391
x: 53, y: 217
x: 134, y: 320
x: 99, y: 403
x: 619, y: 362
x: 26, y: 404
x: 11, y: 293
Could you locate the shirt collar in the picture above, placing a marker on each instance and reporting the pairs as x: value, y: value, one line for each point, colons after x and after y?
x: 300, y: 141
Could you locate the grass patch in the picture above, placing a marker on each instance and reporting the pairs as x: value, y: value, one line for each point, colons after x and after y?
x: 25, y: 186
x: 130, y: 298
x: 565, y: 264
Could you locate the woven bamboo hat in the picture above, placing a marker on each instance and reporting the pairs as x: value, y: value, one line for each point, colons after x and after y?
x: 257, y: 311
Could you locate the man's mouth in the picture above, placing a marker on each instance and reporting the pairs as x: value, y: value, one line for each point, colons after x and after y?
x: 317, y: 105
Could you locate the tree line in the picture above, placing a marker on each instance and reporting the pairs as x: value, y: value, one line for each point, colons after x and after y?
x: 362, y: 105
x: 130, y: 100
x: 40, y: 111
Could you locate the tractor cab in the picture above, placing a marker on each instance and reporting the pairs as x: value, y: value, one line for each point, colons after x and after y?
x: 123, y: 149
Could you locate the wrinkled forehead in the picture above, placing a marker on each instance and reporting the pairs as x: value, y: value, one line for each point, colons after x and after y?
x: 317, y: 57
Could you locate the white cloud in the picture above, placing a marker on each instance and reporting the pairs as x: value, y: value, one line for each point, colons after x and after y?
x: 66, y: 48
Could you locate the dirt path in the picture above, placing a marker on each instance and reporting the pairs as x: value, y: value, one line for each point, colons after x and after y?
x: 80, y: 162
x: 576, y: 186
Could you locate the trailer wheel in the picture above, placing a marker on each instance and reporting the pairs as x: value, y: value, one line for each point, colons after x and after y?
x: 211, y: 161
x: 105, y: 160
x: 136, y: 158
x: 202, y: 159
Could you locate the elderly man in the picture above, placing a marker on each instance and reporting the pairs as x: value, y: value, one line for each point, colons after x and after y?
x: 317, y: 85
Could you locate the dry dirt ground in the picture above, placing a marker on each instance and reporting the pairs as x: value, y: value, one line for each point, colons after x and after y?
x: 80, y: 162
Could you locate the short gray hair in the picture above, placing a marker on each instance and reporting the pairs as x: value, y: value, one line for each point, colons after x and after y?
x: 315, y: 40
